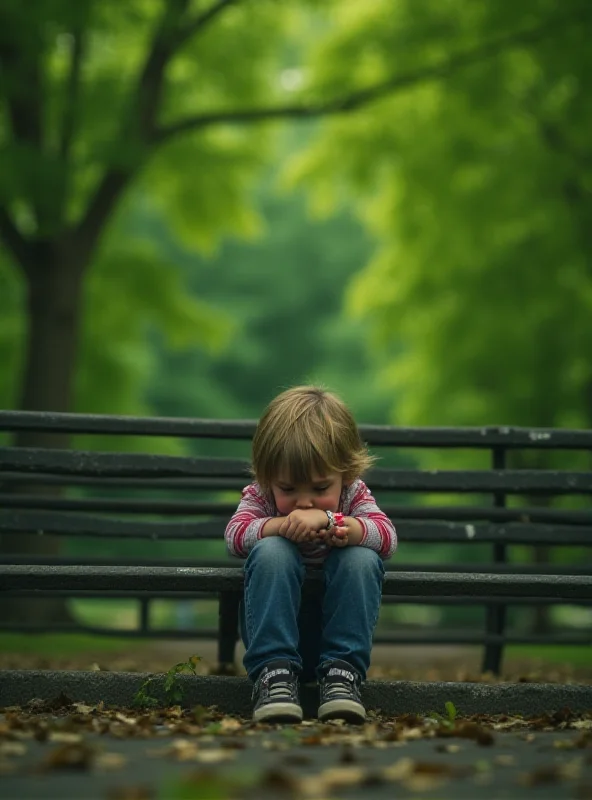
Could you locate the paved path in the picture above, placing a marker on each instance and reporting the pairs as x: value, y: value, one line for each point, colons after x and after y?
x: 297, y: 762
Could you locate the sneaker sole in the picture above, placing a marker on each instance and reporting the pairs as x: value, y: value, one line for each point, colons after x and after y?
x: 278, y: 712
x: 348, y: 710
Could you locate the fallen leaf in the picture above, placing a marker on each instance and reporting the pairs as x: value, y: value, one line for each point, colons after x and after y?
x: 214, y: 756
x: 81, y: 708
x: 12, y: 749
x: 110, y: 761
x: 228, y: 724
x: 582, y: 724
x: 504, y: 760
x: 448, y: 748
x: 69, y: 756
x: 62, y: 737
x: 130, y: 793
x: 126, y: 720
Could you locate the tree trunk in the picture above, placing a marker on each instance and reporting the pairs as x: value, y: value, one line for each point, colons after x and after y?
x: 54, y: 298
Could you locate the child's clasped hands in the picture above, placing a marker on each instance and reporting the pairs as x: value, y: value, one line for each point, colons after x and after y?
x: 310, y: 525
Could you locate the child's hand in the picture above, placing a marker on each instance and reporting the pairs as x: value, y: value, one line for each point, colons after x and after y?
x: 302, y: 525
x: 339, y: 537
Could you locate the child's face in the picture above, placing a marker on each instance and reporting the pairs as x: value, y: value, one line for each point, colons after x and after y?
x: 322, y: 492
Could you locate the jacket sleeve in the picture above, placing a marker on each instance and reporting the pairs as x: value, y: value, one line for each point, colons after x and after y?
x: 244, y: 528
x: 379, y: 532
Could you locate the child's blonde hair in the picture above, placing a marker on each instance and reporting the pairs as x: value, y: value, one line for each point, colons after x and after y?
x: 307, y: 430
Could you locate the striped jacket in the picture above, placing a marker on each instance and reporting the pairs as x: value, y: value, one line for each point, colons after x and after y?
x: 256, y: 507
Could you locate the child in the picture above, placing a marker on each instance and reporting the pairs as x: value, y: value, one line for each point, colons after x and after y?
x: 309, y: 506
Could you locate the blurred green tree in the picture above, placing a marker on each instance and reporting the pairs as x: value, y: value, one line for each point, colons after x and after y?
x: 100, y: 99
x: 478, y: 189
x: 105, y: 102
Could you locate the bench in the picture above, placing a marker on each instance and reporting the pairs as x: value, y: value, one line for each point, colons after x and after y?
x: 200, y: 493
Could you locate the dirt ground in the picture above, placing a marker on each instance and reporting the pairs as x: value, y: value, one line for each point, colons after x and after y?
x: 422, y: 663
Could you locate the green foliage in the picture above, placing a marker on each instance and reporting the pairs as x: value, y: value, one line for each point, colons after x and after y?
x: 449, y: 720
x: 11, y: 332
x: 284, y: 295
x: 480, y: 293
x: 80, y: 125
x: 173, y: 690
x: 208, y: 785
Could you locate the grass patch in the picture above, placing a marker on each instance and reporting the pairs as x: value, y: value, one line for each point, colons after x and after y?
x: 62, y: 644
x: 551, y: 654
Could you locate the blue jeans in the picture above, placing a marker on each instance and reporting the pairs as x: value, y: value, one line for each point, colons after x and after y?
x: 273, y: 627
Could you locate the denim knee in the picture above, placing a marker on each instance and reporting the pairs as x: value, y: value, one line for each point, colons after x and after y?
x: 355, y: 563
x: 273, y: 555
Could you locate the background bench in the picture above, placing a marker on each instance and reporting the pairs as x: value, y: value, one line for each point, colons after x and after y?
x: 101, y: 497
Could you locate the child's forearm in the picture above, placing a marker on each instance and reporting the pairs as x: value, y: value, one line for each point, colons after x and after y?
x: 355, y: 531
x: 272, y: 527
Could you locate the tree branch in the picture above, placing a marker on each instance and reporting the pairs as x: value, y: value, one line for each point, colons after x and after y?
x: 24, y: 102
x: 201, y: 20
x: 13, y: 239
x: 357, y: 99
x: 87, y: 233
x: 72, y: 94
x: 169, y: 36
x: 148, y: 89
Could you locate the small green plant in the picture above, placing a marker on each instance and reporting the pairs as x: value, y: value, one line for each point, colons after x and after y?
x: 449, y: 720
x: 172, y: 687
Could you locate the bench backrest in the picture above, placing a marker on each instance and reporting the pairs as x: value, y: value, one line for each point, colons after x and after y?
x: 144, y: 496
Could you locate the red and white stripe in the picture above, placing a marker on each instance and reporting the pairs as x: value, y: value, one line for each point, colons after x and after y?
x: 256, y: 507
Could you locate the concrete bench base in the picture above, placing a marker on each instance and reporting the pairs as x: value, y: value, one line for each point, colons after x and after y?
x: 233, y: 695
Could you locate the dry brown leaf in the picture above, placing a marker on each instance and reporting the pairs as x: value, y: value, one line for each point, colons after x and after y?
x: 12, y: 749
x: 81, y: 708
x: 448, y: 748
x: 400, y: 770
x: 331, y: 779
x: 582, y: 724
x: 126, y: 720
x: 63, y: 737
x: 504, y: 760
x: 110, y: 761
x: 130, y: 793
x: 211, y: 756
x: 228, y: 725
x: 69, y: 756
x: 552, y: 773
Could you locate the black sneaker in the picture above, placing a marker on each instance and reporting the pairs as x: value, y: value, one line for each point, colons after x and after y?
x: 275, y: 694
x: 340, y: 693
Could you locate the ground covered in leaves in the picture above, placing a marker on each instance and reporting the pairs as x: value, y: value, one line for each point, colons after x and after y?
x: 62, y: 749
x: 388, y: 664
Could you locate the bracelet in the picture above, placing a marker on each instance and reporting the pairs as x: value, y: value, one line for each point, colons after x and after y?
x: 339, y: 519
x: 331, y: 518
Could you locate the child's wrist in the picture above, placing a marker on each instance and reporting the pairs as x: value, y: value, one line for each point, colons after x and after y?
x: 355, y: 531
x: 272, y: 527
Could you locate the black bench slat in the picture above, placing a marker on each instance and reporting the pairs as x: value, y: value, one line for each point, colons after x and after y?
x: 436, y: 638
x: 90, y: 462
x: 144, y: 465
x: 124, y: 484
x: 382, y: 435
x: 121, y: 594
x: 65, y: 524
x: 398, y: 513
x: 231, y: 579
x: 117, y: 505
x: 232, y: 562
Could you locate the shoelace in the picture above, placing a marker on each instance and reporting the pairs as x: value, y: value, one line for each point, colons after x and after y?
x: 338, y: 687
x: 280, y: 689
